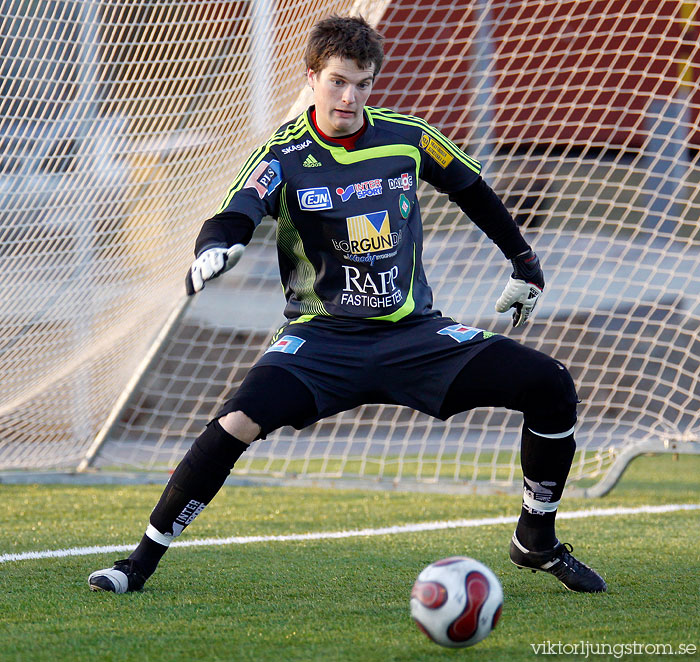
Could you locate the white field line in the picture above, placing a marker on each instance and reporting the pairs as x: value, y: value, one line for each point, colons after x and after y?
x: 355, y: 533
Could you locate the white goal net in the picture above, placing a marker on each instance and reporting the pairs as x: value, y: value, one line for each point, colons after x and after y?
x: 123, y: 124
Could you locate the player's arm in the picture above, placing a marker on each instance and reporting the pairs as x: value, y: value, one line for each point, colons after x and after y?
x: 218, y: 248
x: 526, y: 282
x: 452, y: 171
x: 252, y: 196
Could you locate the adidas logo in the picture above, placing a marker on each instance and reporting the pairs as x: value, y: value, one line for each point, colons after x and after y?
x: 311, y: 162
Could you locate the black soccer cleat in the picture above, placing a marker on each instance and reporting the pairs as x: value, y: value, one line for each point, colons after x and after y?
x: 125, y: 576
x: 558, y: 561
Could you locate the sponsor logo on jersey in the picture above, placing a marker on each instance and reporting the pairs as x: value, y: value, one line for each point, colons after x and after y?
x: 368, y: 233
x: 404, y: 206
x: 404, y: 182
x: 296, y: 148
x: 362, y: 189
x: 311, y: 162
x: 432, y: 147
x: 315, y: 199
x: 370, y: 289
x: 368, y: 258
x: 265, y: 178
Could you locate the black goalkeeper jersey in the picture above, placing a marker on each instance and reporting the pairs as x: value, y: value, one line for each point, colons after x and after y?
x: 349, y: 230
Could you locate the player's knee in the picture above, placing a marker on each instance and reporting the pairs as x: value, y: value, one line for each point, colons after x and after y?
x: 552, y: 398
x: 241, y: 426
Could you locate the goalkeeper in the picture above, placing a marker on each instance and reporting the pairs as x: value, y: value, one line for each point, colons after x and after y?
x: 341, y: 180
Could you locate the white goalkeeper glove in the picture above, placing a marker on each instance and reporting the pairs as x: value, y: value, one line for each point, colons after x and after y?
x: 211, y: 263
x: 523, y: 289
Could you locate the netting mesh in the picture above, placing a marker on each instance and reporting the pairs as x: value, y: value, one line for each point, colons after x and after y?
x: 125, y: 125
x: 122, y: 123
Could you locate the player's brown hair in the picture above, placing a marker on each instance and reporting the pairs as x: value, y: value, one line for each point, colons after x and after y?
x: 346, y: 37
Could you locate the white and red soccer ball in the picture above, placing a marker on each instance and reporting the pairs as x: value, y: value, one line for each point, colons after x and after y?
x: 456, y: 601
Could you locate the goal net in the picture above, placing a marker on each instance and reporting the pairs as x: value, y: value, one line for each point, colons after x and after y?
x: 123, y: 124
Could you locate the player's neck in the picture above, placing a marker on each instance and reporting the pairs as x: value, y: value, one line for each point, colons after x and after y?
x: 345, y: 141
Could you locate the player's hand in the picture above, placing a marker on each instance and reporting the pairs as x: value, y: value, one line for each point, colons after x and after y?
x: 523, y: 289
x: 210, y: 264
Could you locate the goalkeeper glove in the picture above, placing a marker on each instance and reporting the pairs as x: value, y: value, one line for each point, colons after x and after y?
x: 212, y: 262
x: 523, y: 289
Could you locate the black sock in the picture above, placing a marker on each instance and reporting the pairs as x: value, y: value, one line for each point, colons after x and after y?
x: 148, y: 554
x: 194, y: 483
x: 545, y: 462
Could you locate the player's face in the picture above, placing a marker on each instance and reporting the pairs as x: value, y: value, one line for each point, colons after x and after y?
x: 340, y: 90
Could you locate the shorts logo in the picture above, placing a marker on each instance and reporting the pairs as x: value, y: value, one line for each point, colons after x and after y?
x: 265, y: 178
x: 404, y: 182
x: 459, y: 332
x: 362, y: 189
x: 286, y: 345
x: 435, y: 149
x: 297, y: 147
x: 315, y: 199
x: 370, y: 233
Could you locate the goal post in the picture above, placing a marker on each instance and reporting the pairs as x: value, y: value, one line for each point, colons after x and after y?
x: 122, y: 136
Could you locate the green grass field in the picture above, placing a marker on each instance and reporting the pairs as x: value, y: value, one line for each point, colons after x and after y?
x: 340, y: 599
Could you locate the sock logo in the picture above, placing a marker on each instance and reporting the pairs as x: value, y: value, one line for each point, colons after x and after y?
x: 540, y: 491
x: 189, y: 512
x: 537, y: 497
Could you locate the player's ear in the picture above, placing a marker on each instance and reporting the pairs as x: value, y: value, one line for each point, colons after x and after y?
x: 311, y: 78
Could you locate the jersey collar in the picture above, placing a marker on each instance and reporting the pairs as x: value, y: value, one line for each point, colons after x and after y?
x: 347, y: 142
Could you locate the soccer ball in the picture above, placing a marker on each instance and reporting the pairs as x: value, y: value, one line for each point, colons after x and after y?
x: 456, y: 601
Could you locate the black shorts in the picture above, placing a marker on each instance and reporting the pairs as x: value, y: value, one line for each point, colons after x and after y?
x: 345, y: 364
